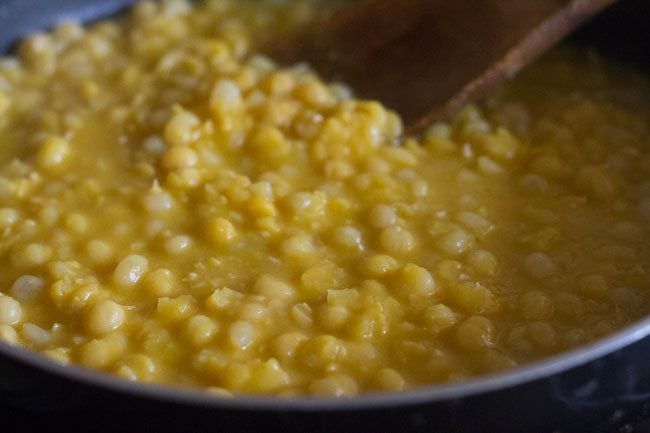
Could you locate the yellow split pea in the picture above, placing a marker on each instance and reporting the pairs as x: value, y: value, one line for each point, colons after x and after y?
x: 175, y: 208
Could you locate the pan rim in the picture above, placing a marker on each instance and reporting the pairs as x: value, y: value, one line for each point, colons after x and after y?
x: 525, y: 374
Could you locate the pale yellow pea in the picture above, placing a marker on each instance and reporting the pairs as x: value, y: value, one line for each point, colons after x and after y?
x: 416, y: 280
x: 476, y: 333
x: 130, y: 270
x: 8, y: 217
x: 302, y: 315
x: 322, y: 276
x: 484, y: 262
x: 348, y: 237
x: 478, y: 224
x: 179, y: 157
x: 8, y: 334
x: 542, y: 334
x: 254, y: 312
x: 472, y: 297
x: 53, y: 153
x: 455, y: 242
x: 298, y: 246
x: 338, y: 385
x: 157, y: 201
x: 31, y: 255
x: 439, y: 317
x: 535, y: 305
x: 10, y: 311
x: 378, y: 265
x: 36, y: 335
x: 103, y: 352
x: 320, y: 351
x: 99, y: 252
x: 269, y: 376
x: 225, y: 95
x: 179, y: 130
x: 77, y: 223
x: 594, y: 286
x: 220, y: 231
x: 200, y: 329
x: 38, y: 53
x: 242, y: 334
x: 285, y: 345
x: 59, y: 355
x: 173, y: 310
x: 390, y: 379
x: 104, y: 317
x: 274, y: 288
x: 27, y: 288
x: 178, y: 244
x: 137, y: 367
x: 539, y: 265
x: 333, y: 317
x: 382, y: 215
x: 160, y: 282
x: 223, y: 299
x: 397, y: 240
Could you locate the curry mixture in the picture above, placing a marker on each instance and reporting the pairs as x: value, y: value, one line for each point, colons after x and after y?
x: 176, y: 208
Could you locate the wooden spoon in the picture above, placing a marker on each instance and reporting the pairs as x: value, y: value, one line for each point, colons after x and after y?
x: 427, y: 58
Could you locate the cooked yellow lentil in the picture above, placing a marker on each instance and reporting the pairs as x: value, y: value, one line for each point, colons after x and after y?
x: 178, y: 209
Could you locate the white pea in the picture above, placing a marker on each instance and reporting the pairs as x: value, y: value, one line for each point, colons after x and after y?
x: 36, y: 335
x: 241, y: 334
x: 225, y: 94
x: 382, y: 216
x: 10, y: 311
x: 8, y: 334
x: 177, y: 244
x: 129, y: 271
x: 348, y: 237
x: 455, y: 242
x: 26, y: 288
x: 157, y: 201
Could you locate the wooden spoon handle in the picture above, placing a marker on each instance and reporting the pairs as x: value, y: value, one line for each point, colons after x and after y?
x: 427, y: 58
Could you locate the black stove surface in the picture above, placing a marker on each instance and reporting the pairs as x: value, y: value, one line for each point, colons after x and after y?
x: 43, y: 419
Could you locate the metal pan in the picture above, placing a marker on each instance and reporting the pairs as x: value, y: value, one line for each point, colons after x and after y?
x: 596, y: 388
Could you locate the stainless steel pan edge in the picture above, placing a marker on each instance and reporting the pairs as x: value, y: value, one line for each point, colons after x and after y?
x: 19, y: 18
x: 596, y: 389
x: 549, y: 367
